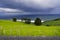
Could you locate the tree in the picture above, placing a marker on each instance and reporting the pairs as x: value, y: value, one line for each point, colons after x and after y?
x: 23, y: 19
x: 28, y: 21
x: 37, y: 21
x: 14, y: 19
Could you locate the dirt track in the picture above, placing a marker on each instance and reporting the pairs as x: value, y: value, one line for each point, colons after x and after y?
x: 29, y: 38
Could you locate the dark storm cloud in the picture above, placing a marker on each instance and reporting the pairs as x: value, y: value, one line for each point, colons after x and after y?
x: 27, y: 6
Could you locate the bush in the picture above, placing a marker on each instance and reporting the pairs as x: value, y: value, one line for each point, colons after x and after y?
x: 47, y: 25
x: 37, y: 21
x: 28, y: 21
x: 14, y: 19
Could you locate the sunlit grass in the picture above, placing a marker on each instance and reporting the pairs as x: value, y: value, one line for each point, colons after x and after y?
x: 10, y: 28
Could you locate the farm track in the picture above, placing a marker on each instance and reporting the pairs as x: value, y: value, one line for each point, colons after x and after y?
x: 29, y: 38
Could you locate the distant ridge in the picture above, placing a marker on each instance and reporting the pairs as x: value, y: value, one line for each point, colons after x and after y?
x: 54, y: 22
x: 56, y: 19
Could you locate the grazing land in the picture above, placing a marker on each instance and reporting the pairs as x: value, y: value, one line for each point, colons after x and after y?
x: 55, y: 22
x: 10, y: 28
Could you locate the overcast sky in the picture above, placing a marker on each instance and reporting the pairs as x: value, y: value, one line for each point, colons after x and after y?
x: 30, y: 6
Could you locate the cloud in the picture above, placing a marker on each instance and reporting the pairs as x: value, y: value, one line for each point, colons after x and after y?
x: 39, y: 3
x: 30, y: 5
x: 9, y: 10
x: 56, y: 10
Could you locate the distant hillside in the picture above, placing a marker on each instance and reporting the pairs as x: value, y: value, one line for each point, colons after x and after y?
x: 57, y: 19
x: 55, y: 22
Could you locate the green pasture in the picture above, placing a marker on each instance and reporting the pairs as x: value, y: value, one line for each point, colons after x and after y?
x: 10, y: 28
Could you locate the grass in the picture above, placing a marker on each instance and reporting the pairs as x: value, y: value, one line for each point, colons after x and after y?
x: 9, y: 28
x: 52, y: 22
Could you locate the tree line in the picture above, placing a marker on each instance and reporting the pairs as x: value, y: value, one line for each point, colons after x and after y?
x: 28, y: 21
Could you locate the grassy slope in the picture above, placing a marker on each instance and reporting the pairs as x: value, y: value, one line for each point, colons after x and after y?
x: 52, y: 22
x: 10, y: 28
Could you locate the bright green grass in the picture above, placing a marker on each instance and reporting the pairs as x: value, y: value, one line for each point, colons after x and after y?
x: 9, y: 28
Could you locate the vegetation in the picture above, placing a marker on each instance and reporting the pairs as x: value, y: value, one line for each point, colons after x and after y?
x: 38, y: 21
x: 23, y: 19
x: 47, y: 25
x: 55, y: 22
x: 28, y: 21
x: 9, y: 28
x: 14, y: 19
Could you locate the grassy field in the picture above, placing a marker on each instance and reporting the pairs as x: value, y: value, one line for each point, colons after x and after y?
x: 9, y: 28
x: 52, y: 22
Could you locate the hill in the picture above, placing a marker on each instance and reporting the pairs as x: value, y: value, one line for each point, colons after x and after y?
x: 55, y: 22
x: 10, y: 28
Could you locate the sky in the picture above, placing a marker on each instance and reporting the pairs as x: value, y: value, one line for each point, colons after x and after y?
x: 29, y: 7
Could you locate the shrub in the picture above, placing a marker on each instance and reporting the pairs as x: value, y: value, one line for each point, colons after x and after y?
x: 37, y: 21
x: 14, y: 19
x: 47, y: 25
